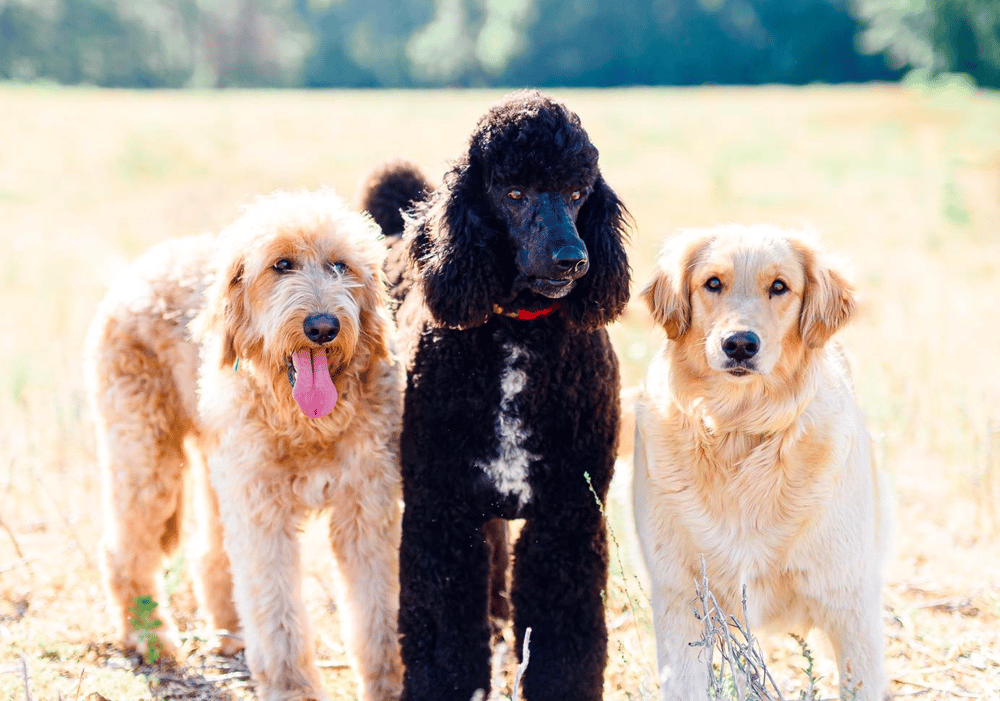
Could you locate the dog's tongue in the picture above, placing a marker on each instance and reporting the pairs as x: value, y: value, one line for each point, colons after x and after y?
x: 314, y: 390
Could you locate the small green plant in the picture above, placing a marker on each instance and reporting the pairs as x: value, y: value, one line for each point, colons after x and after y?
x: 644, y: 692
x: 144, y: 623
x: 809, y: 693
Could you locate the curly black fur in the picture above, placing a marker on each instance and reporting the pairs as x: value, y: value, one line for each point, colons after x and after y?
x: 390, y: 189
x: 487, y: 392
x: 532, y: 142
x: 386, y: 193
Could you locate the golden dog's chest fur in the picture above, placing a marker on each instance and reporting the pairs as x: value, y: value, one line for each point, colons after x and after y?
x: 749, y: 503
x: 758, y: 465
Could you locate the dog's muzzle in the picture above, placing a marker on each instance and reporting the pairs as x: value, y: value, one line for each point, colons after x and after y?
x: 571, y: 262
x: 552, y: 257
x: 740, y: 348
x: 553, y: 289
x: 321, y: 328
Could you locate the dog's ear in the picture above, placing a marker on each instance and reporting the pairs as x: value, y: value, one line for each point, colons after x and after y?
x: 828, y: 301
x: 225, y: 316
x: 668, y: 292
x: 454, y: 251
x: 376, y: 326
x: 601, y: 295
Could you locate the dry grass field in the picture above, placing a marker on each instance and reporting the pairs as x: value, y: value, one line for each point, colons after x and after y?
x: 905, y: 183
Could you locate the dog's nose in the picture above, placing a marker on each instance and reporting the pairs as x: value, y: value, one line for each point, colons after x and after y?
x: 321, y: 328
x: 741, y: 346
x: 570, y: 259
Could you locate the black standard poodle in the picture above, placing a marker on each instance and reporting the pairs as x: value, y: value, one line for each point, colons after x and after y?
x: 513, y: 267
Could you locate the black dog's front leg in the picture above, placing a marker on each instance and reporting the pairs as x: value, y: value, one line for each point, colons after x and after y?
x: 445, y: 636
x: 560, y: 572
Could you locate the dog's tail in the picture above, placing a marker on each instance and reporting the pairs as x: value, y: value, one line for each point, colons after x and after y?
x: 390, y: 189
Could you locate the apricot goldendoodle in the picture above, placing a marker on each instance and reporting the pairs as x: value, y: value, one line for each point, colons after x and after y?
x: 298, y: 409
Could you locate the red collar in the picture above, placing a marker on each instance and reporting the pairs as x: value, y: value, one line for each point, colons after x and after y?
x: 524, y: 314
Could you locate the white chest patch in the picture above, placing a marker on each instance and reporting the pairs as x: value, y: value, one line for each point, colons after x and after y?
x: 509, y: 470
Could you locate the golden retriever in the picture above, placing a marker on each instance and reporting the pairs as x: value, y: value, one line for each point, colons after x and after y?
x: 752, y: 454
x: 298, y: 406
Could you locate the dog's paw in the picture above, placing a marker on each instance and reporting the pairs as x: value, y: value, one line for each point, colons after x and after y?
x: 295, y: 696
x: 382, y: 692
x: 225, y: 643
x: 153, y: 647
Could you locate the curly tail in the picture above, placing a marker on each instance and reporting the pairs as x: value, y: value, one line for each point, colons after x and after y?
x: 390, y: 188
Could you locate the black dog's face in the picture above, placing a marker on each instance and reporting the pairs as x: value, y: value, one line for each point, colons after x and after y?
x: 523, y: 218
x: 549, y: 254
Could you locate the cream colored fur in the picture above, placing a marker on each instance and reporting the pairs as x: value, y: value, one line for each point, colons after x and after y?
x: 768, y: 476
x: 269, y: 464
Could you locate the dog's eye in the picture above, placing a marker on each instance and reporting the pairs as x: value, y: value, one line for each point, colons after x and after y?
x: 778, y: 287
x: 339, y: 267
x: 283, y: 265
x: 576, y: 195
x: 713, y: 284
x: 515, y: 194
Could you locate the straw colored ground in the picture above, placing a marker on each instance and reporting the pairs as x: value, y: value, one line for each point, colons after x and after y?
x: 905, y: 183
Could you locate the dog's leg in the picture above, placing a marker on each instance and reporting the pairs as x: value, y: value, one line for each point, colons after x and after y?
x: 144, y: 495
x: 682, y: 675
x: 141, y: 421
x: 679, y: 671
x: 499, y: 542
x: 261, y: 526
x: 366, y: 545
x: 214, y: 583
x: 859, y: 642
x: 443, y: 618
x: 560, y: 575
x: 679, y: 667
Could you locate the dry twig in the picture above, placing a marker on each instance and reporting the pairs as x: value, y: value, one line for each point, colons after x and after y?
x: 516, y: 690
x: 742, y: 662
x: 24, y: 676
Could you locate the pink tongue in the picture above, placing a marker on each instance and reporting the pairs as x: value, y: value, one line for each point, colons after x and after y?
x: 314, y: 390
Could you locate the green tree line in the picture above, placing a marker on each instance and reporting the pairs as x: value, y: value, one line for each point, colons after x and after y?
x: 408, y: 43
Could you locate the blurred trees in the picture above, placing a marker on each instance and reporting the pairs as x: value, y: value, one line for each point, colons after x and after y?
x: 78, y: 41
x: 153, y: 43
x: 372, y: 43
x: 935, y: 36
x: 688, y: 42
x: 362, y: 43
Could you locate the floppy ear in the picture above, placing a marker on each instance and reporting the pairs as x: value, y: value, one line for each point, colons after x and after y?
x: 668, y: 292
x: 376, y: 328
x: 455, y: 252
x: 226, y: 312
x: 828, y: 300
x: 601, y: 295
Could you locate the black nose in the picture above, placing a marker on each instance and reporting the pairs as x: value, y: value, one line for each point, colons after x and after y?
x: 570, y: 259
x: 321, y: 328
x: 741, y: 346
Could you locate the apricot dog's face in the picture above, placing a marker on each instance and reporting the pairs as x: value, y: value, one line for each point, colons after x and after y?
x: 744, y: 298
x: 302, y: 294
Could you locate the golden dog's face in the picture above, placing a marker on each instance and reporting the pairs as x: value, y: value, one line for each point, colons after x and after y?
x: 301, y: 292
x: 743, y: 300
